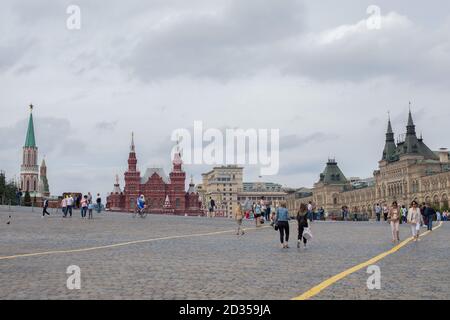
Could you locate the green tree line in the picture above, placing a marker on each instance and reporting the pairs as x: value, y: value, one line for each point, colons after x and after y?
x: 8, y: 191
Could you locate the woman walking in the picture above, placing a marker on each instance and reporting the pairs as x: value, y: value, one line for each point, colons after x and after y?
x: 302, y: 220
x: 238, y: 216
x: 90, y: 208
x: 84, y: 206
x: 282, y: 221
x: 415, y: 220
x: 394, y: 219
x: 64, y: 206
x: 258, y: 213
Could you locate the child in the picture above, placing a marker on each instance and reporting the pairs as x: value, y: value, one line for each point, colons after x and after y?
x: 90, y: 208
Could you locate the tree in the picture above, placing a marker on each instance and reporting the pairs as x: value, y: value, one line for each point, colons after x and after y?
x: 8, y: 190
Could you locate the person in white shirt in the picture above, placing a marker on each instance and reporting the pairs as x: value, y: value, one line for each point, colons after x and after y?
x: 64, y: 206
x: 70, y: 204
x: 415, y: 220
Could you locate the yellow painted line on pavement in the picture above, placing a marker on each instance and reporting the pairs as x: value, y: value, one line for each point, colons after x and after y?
x: 122, y: 244
x: 330, y: 281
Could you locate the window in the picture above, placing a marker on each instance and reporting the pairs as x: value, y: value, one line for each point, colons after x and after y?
x: 177, y: 202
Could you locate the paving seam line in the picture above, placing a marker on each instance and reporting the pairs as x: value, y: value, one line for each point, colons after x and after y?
x: 122, y: 244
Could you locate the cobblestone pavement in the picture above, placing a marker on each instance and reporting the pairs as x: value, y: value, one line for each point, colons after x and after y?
x: 214, y: 266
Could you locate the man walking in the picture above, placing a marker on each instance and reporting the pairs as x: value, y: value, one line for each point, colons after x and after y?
x: 19, y: 196
x: 429, y: 214
x: 212, y: 205
x: 45, y: 206
x: 99, y: 203
x: 385, y: 212
x: 378, y: 211
x: 70, y: 205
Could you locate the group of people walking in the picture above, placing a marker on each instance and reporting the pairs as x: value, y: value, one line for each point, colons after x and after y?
x: 281, y: 222
x: 416, y: 216
x: 86, y: 205
x: 279, y: 219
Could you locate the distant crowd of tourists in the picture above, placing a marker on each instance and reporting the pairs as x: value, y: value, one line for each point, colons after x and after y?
x: 69, y: 203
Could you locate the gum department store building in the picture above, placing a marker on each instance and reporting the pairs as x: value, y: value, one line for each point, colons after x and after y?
x: 408, y: 170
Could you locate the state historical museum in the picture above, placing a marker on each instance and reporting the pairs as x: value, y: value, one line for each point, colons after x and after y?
x: 163, y: 194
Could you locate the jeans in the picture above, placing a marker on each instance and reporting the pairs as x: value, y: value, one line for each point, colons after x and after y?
x: 99, y: 207
x: 267, y: 214
x: 83, y: 212
x: 378, y: 216
x: 430, y: 223
x: 69, y: 210
x: 283, y: 227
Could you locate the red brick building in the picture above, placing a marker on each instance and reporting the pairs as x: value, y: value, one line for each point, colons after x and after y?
x: 163, y: 194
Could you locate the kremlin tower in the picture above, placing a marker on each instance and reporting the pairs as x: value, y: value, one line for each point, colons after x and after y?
x: 33, y: 179
x: 29, y: 170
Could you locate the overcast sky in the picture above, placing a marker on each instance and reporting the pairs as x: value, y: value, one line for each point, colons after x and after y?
x: 311, y: 68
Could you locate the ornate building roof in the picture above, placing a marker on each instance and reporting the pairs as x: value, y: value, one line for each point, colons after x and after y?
x: 30, y: 140
x: 332, y: 174
x: 411, y: 145
x: 159, y: 171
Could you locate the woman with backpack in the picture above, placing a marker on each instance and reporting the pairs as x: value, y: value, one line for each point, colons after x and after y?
x: 302, y: 220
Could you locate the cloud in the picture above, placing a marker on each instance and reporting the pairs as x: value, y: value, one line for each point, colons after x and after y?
x: 296, y: 141
x: 106, y: 125
x: 399, y: 50
x: 231, y: 41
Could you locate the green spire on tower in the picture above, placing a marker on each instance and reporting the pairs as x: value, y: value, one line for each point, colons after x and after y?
x: 30, y: 141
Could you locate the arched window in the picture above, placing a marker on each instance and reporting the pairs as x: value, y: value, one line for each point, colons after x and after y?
x: 445, y: 202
